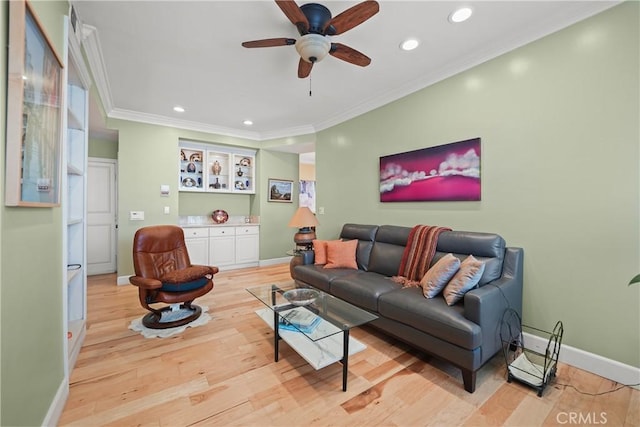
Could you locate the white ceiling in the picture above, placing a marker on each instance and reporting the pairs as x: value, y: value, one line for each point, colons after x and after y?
x: 148, y: 56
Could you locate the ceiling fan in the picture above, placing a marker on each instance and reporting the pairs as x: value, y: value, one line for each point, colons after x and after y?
x: 315, y: 24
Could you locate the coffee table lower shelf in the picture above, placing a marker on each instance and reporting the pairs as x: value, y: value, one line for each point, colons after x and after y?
x: 318, y: 354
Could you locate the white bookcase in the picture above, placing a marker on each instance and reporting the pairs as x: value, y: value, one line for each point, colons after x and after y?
x: 74, y: 201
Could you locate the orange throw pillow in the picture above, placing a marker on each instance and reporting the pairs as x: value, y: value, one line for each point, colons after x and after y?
x: 342, y: 254
x: 320, y: 251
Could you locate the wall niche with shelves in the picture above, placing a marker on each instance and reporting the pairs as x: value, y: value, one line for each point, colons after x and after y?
x: 215, y: 168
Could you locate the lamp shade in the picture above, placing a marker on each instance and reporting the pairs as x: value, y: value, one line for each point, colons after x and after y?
x: 303, y: 218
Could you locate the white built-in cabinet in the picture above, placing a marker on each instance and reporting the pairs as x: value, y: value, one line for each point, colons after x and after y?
x: 74, y: 200
x: 197, y: 241
x: 222, y: 246
x: 216, y: 169
x: 225, y: 247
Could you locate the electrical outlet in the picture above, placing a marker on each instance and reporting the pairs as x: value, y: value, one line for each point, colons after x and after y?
x: 321, y: 210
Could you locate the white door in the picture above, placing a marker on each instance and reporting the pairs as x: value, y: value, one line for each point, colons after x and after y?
x: 101, y: 216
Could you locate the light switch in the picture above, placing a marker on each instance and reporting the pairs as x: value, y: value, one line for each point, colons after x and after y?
x: 321, y: 210
x: 136, y: 215
x: 164, y: 191
x: 166, y: 210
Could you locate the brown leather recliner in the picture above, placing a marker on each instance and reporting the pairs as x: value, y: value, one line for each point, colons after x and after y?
x: 164, y: 274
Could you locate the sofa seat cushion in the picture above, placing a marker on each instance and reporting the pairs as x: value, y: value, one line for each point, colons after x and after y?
x: 320, y: 277
x: 363, y: 289
x: 431, y: 316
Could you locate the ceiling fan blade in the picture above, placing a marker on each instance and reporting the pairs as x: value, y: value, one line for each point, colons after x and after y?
x: 352, y: 17
x: 349, y: 54
x: 270, y: 42
x: 295, y: 15
x: 304, y: 68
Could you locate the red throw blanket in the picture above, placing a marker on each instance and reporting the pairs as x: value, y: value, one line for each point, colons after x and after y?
x: 417, y: 256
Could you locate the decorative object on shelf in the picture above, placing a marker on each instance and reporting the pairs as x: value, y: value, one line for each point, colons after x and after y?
x: 183, y: 157
x: 301, y: 296
x: 240, y: 185
x: 245, y: 161
x: 195, y: 157
x: 34, y: 113
x: 449, y: 172
x: 191, y: 167
x: 216, y: 168
x: 216, y: 185
x: 306, y: 222
x: 239, y: 172
x: 219, y: 216
x: 280, y: 190
x: 189, y: 182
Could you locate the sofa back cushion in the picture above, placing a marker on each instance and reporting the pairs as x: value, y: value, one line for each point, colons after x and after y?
x: 388, y: 249
x: 365, y: 234
x: 486, y: 247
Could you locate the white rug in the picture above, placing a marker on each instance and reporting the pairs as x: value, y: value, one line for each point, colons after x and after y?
x: 137, y: 326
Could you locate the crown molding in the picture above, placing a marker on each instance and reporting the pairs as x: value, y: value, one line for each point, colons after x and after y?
x: 154, y: 119
x: 93, y: 52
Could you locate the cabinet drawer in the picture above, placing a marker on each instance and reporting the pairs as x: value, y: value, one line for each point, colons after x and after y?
x: 196, y: 232
x: 247, y: 230
x: 222, y: 231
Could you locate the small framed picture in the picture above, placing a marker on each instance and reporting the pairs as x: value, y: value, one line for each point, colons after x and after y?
x: 280, y: 190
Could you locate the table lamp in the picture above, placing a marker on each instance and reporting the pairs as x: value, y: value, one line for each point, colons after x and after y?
x: 306, y: 222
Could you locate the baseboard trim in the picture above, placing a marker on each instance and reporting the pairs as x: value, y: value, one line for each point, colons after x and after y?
x: 596, y: 364
x: 123, y: 280
x: 57, y: 405
x: 275, y: 261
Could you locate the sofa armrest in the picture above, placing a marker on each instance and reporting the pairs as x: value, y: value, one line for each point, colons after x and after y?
x: 485, y: 306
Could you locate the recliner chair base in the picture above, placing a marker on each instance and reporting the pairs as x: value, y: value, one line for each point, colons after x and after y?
x: 152, y: 320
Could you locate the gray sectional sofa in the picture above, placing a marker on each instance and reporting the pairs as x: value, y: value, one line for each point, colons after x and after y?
x: 465, y: 334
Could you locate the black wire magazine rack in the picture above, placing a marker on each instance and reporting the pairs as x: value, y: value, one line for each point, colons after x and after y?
x: 526, y: 365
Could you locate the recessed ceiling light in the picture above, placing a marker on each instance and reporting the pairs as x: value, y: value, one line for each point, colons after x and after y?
x: 247, y: 122
x: 460, y: 15
x: 409, y: 44
x: 178, y: 109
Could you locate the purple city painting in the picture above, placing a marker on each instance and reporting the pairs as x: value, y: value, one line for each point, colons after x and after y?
x: 449, y: 172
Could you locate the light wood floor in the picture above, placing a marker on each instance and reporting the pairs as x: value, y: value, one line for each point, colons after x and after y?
x: 223, y: 373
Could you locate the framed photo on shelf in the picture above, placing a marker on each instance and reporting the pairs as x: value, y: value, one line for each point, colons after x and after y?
x: 34, y: 113
x: 280, y: 190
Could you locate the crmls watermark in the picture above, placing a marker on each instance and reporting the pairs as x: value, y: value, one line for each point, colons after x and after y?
x: 572, y: 417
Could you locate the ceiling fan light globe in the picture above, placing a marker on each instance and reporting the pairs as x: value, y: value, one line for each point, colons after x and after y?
x: 313, y: 47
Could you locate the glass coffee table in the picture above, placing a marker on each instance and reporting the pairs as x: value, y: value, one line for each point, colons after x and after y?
x: 315, y: 324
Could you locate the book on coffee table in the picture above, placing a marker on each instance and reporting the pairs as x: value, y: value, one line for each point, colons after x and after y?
x: 299, y: 319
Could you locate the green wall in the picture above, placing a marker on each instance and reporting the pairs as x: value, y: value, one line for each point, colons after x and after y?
x: 103, y: 148
x: 276, y: 238
x: 560, y: 135
x: 146, y: 160
x: 4, y: 24
x: 31, y: 317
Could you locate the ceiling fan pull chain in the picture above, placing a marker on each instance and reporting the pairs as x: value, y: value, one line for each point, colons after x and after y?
x: 309, y: 86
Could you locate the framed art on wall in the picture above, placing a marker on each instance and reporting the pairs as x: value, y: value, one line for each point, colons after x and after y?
x: 34, y: 113
x: 280, y: 190
x: 449, y: 172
